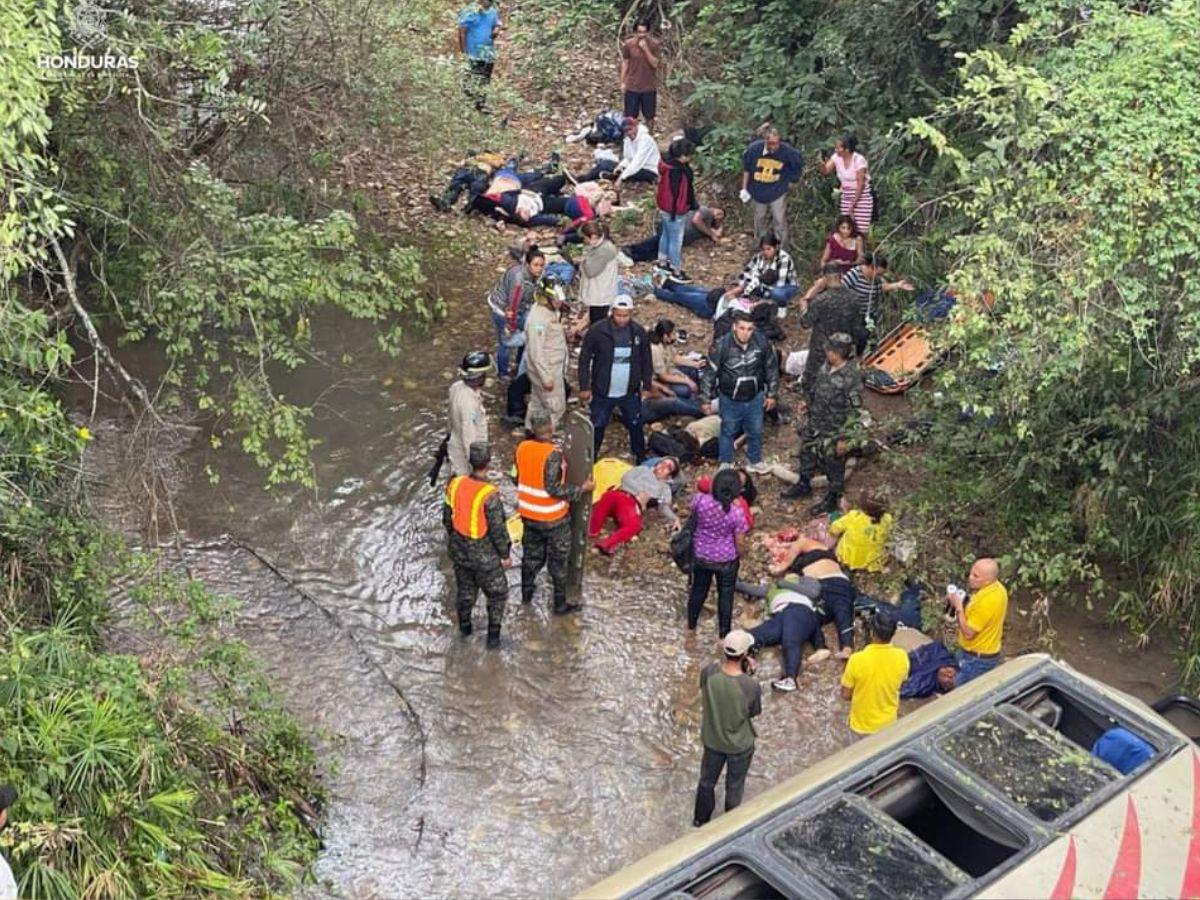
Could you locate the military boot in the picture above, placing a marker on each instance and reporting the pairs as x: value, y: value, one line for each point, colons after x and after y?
x: 562, y: 607
x: 826, y: 505
x: 802, y: 488
x: 493, y: 638
x: 464, y: 628
x: 444, y: 203
x: 526, y: 594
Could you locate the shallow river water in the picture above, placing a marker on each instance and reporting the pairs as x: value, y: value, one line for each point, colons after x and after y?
x: 532, y: 771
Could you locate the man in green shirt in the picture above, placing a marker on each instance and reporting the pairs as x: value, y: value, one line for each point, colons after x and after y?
x: 731, y: 699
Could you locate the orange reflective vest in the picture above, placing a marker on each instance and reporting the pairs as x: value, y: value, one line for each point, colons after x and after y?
x: 465, y: 496
x: 532, y: 500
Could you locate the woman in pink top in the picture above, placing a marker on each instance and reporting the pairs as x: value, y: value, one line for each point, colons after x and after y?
x: 851, y: 166
x: 844, y: 245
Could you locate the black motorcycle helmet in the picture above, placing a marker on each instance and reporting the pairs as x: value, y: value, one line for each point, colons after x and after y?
x: 476, y: 364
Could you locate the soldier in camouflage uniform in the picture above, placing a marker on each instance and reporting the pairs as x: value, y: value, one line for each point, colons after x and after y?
x: 473, y: 515
x: 835, y: 417
x: 834, y: 309
x: 543, y: 500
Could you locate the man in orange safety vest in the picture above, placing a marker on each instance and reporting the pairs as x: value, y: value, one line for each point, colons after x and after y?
x: 544, y: 504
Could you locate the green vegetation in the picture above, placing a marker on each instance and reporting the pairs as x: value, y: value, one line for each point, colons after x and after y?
x: 1044, y: 153
x: 198, y: 207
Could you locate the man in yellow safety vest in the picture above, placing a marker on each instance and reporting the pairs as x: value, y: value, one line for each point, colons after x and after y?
x: 479, y: 545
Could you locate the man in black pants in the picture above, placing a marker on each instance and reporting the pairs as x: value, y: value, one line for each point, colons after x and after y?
x: 615, y: 373
x: 731, y: 699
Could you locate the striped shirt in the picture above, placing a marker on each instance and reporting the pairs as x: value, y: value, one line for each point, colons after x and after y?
x: 868, y: 290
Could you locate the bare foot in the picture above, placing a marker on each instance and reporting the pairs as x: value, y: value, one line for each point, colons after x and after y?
x: 845, y: 652
x: 819, y: 656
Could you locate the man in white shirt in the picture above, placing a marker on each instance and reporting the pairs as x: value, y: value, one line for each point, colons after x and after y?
x: 639, y: 158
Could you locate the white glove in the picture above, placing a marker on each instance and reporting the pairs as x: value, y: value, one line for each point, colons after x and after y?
x: 744, y: 195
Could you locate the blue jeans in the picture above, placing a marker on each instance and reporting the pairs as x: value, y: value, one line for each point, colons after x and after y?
x: 792, y: 626
x: 783, y: 294
x: 670, y: 242
x: 742, y: 415
x: 664, y: 407
x: 631, y: 414
x: 692, y: 297
x: 501, y: 323
x: 971, y: 666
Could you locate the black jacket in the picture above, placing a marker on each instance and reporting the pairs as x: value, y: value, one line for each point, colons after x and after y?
x: 731, y: 364
x: 596, y: 359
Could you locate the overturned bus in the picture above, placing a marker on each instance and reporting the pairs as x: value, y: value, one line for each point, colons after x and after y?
x: 990, y: 791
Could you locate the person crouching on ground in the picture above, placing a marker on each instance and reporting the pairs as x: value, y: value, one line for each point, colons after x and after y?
x: 863, y: 534
x: 872, y: 679
x: 717, y: 547
x: 793, y: 622
x: 731, y: 699
x: 640, y: 488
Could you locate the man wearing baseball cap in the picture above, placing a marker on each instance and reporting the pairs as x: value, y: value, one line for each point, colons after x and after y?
x: 731, y: 699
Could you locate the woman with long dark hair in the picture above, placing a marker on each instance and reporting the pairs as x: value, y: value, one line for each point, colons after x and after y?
x: 843, y: 245
x: 717, y: 547
x: 854, y: 176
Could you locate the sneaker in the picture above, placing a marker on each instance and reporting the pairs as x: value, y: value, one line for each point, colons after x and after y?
x: 681, y: 276
x: 758, y: 468
x: 787, y: 685
x: 819, y: 655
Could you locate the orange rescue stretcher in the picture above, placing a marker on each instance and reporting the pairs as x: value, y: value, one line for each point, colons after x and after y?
x: 900, y: 360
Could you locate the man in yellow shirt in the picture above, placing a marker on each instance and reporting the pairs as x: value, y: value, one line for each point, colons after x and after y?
x: 980, y: 620
x: 872, y: 679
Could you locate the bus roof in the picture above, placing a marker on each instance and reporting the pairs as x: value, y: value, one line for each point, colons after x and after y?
x: 1001, y: 765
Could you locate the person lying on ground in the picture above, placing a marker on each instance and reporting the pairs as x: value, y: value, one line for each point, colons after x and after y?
x: 701, y: 301
x: 843, y: 245
x: 872, y: 679
x: 770, y: 272
x: 641, y: 488
x: 863, y: 533
x: 827, y: 308
x: 705, y: 222
x: 792, y: 621
x: 471, y: 178
x: 639, y: 158
x: 606, y: 128
x: 504, y: 195
x: 807, y: 557
x: 932, y: 669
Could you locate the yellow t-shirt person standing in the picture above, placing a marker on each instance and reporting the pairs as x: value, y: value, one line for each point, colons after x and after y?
x: 872, y: 679
x: 980, y: 620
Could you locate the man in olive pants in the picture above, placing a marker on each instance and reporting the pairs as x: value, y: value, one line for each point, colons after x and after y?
x: 731, y: 699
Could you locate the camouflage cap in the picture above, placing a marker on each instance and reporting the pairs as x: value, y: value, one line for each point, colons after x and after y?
x: 840, y: 342
x: 479, y: 454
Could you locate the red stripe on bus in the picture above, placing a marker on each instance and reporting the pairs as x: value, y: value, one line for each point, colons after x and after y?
x: 1126, y: 876
x: 1191, y: 875
x: 1066, y: 878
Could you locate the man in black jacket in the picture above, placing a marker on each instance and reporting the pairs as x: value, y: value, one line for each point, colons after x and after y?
x: 744, y: 372
x: 615, y: 373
